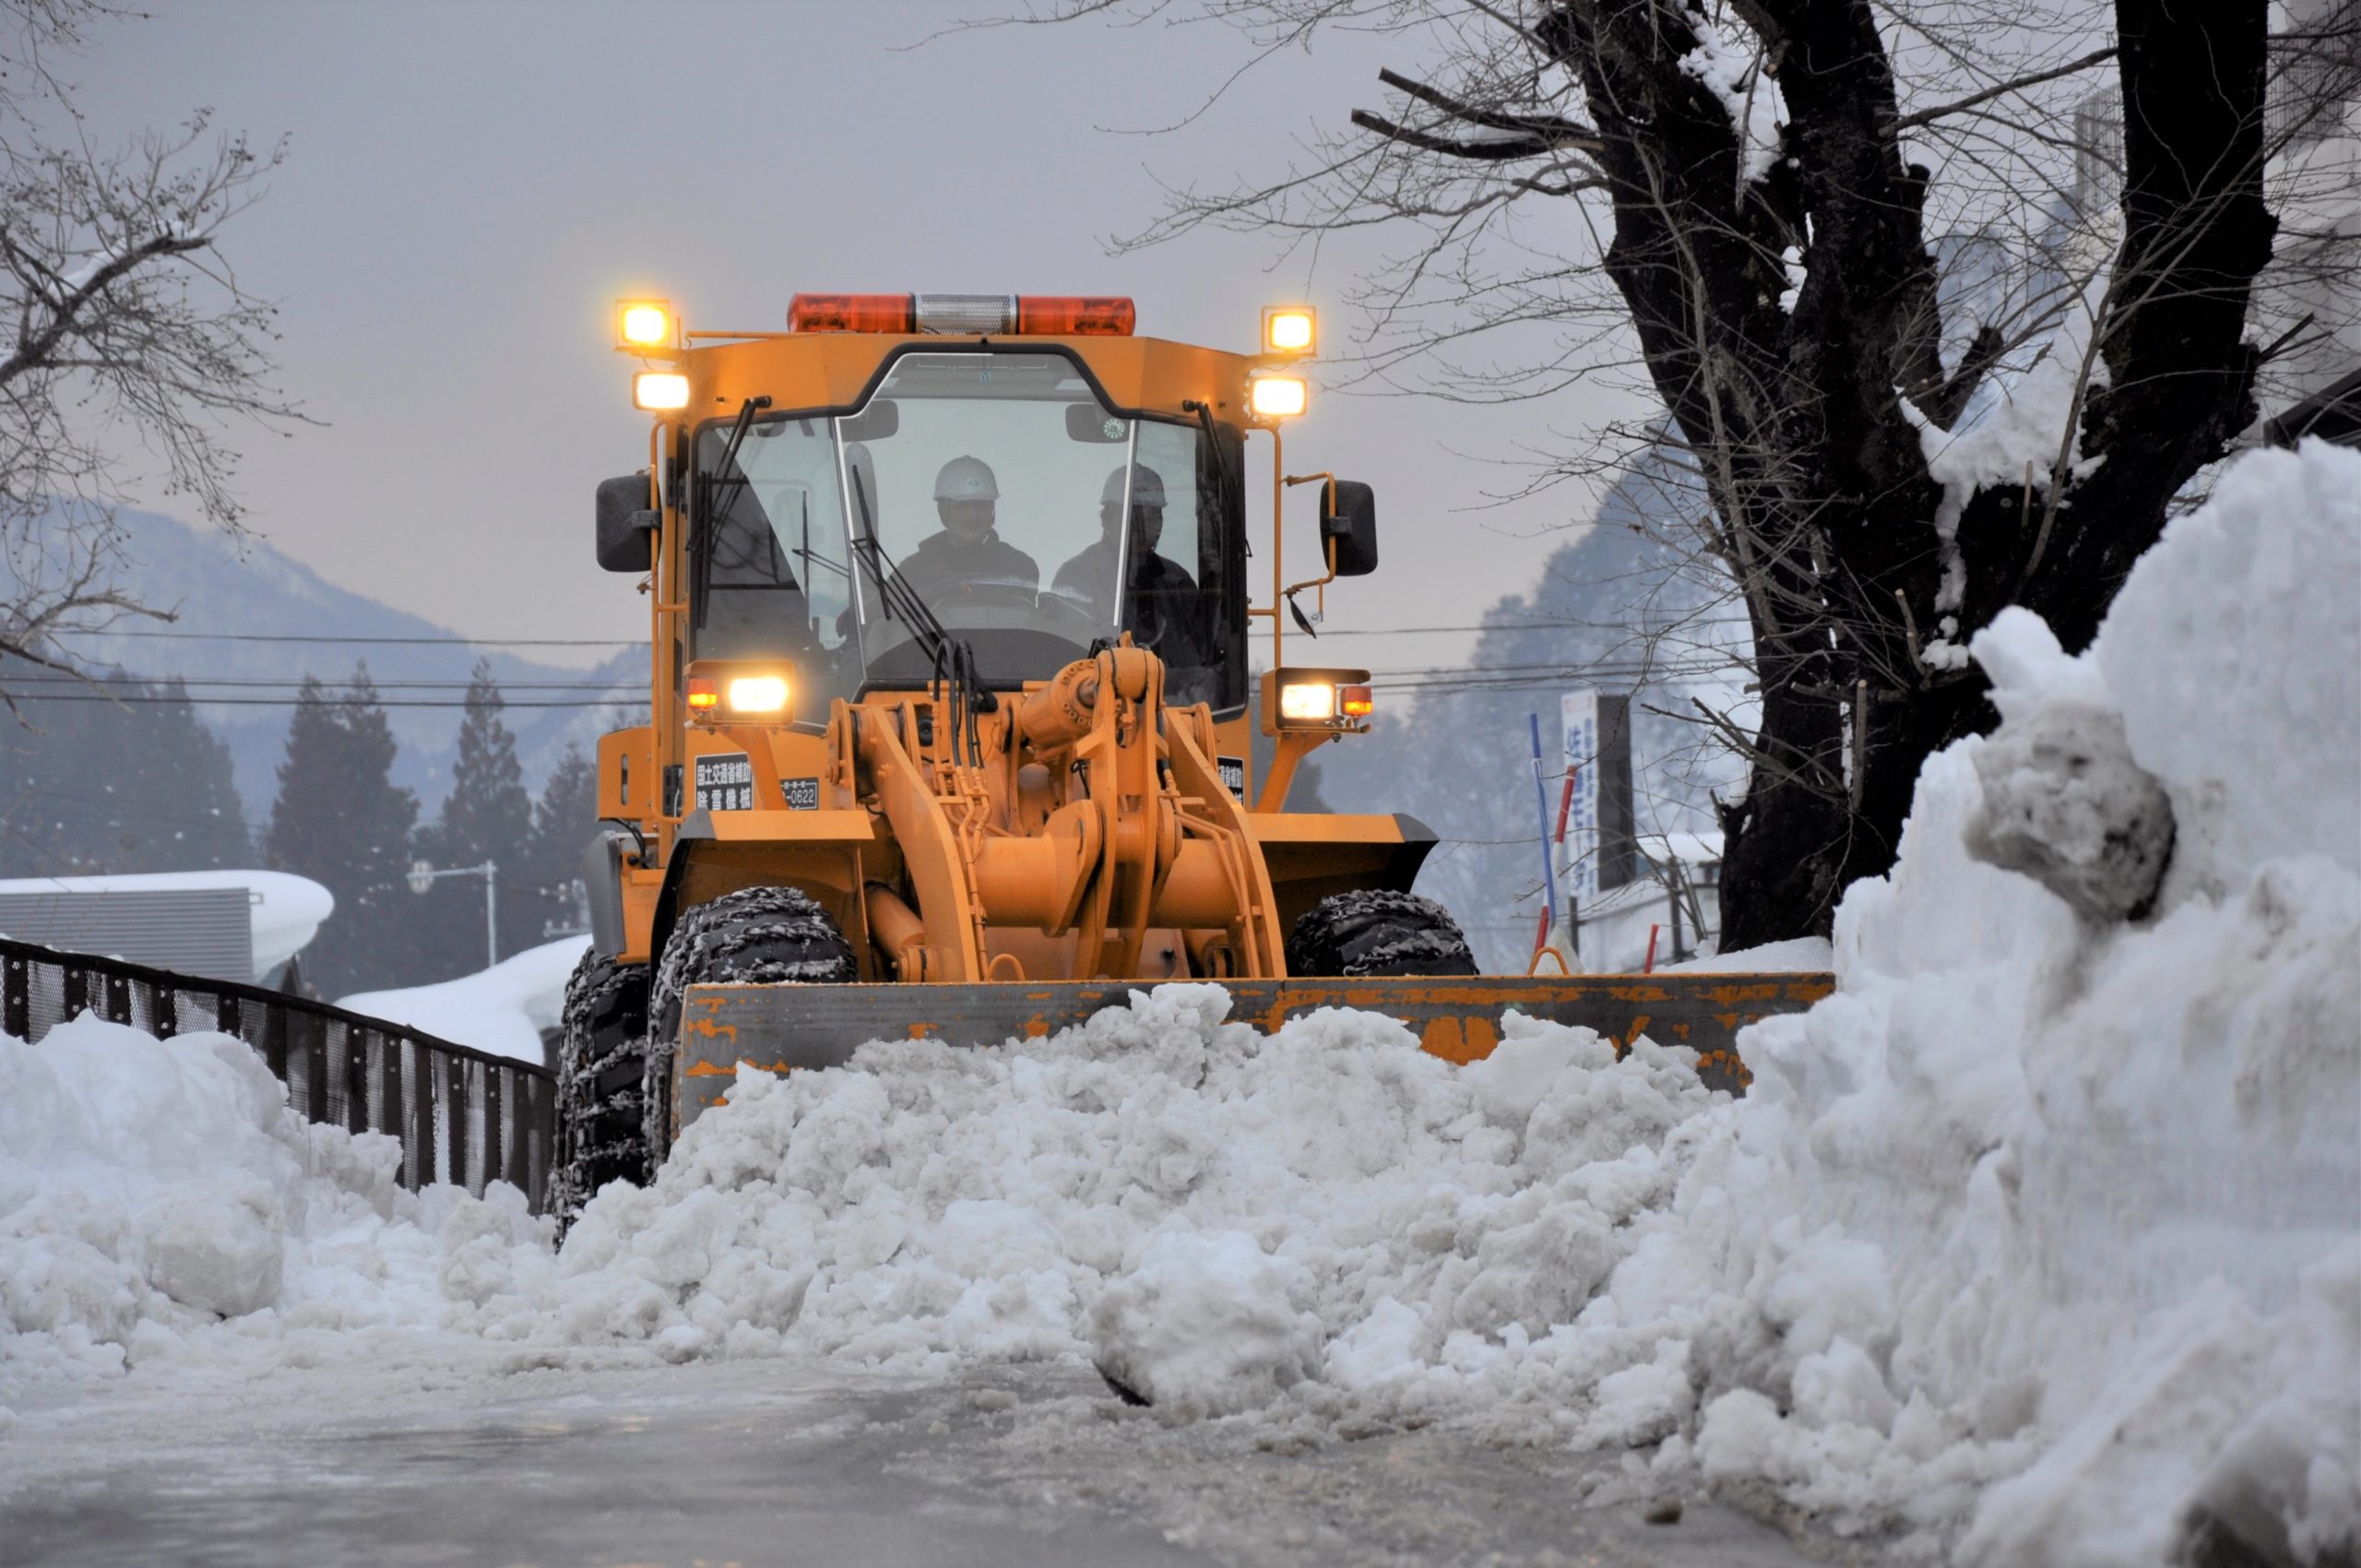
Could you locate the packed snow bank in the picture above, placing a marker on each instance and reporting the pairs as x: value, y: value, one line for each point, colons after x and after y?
x: 502, y: 1009
x: 152, y: 1189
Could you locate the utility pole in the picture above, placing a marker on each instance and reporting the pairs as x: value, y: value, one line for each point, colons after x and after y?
x: 423, y: 875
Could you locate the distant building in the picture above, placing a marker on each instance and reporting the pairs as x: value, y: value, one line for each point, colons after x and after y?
x: 231, y: 925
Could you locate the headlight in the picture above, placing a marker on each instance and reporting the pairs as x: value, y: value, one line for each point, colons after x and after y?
x: 1310, y: 699
x: 757, y: 694
x: 655, y: 390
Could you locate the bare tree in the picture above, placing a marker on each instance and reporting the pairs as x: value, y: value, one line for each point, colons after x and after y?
x: 135, y: 345
x: 1933, y: 342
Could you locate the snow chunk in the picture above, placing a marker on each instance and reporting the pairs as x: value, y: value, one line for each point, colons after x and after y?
x: 2064, y: 803
x: 1207, y: 1322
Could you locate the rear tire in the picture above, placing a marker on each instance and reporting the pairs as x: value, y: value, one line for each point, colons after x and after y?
x: 602, y: 1043
x: 1373, y: 932
x: 754, y: 936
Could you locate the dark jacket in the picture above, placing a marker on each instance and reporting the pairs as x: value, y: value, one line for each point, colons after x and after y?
x: 943, y: 563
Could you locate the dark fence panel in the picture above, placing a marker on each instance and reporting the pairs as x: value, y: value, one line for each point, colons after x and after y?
x: 462, y: 1115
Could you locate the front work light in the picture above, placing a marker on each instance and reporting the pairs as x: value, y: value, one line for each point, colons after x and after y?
x: 1308, y: 700
x: 1289, y: 329
x: 757, y: 694
x: 643, y: 325
x: 1277, y: 397
x: 657, y: 390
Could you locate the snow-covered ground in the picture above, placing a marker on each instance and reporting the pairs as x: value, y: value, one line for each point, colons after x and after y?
x: 502, y: 1009
x: 2040, y: 1243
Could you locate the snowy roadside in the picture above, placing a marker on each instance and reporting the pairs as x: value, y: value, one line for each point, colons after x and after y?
x: 502, y: 1010
x: 2040, y: 1243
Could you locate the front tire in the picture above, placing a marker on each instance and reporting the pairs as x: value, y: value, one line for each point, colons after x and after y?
x: 753, y: 937
x: 602, y: 1043
x: 1373, y: 932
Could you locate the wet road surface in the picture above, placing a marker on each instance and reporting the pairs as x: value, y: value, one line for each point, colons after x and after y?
x: 782, y: 1462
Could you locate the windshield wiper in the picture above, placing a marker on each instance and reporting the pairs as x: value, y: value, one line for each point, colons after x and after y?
x: 710, y: 483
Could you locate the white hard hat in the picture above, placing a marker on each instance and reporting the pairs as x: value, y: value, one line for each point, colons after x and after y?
x: 1148, y: 487
x: 966, y: 478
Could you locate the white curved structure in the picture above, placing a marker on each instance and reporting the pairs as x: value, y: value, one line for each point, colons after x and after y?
x: 285, y: 910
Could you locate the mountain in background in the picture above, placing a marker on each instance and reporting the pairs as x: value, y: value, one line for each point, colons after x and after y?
x: 249, y: 587
x: 1622, y: 608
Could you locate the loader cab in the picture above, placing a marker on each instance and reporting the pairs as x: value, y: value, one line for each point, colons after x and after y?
x: 993, y: 489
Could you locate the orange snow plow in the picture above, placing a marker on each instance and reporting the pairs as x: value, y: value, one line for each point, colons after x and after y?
x: 953, y: 726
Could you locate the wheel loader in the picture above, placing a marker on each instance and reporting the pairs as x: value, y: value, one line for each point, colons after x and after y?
x: 952, y: 713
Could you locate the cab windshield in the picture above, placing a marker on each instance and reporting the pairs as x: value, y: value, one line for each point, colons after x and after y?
x: 995, y: 488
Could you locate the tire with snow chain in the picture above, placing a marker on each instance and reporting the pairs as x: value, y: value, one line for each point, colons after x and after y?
x: 602, y: 1044
x: 754, y: 936
x: 1374, y: 932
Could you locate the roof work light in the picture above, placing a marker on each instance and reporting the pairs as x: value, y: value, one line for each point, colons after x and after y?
x: 1277, y: 397
x: 1290, y: 329
x: 641, y: 326
x: 657, y: 390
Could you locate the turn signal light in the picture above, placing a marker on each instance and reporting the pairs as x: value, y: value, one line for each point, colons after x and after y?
x: 658, y: 390
x: 1355, y: 702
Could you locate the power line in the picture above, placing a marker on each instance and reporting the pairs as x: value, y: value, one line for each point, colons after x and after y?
x: 306, y: 637
x: 296, y: 702
x: 63, y: 679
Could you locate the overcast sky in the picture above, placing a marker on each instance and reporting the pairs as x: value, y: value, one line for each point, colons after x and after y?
x: 471, y: 187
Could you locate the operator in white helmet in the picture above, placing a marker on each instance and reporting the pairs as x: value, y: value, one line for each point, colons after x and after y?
x: 968, y: 552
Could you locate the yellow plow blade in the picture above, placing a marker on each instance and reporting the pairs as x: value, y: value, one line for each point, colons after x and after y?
x: 783, y: 1027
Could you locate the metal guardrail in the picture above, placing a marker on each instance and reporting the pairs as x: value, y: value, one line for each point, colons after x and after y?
x: 462, y: 1115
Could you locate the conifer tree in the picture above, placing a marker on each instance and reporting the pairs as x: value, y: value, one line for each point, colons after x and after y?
x: 488, y: 816
x: 340, y: 820
x: 564, y: 820
x: 197, y: 820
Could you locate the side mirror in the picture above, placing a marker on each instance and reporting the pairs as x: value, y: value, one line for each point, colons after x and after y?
x: 1349, y: 519
x: 625, y: 523
x: 876, y: 423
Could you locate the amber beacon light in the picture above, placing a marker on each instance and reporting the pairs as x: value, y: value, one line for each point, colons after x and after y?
x: 966, y: 315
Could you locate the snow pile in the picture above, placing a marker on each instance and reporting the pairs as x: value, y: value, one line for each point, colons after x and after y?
x: 1215, y: 1215
x: 502, y: 1010
x: 2079, y: 1205
x: 152, y: 1189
